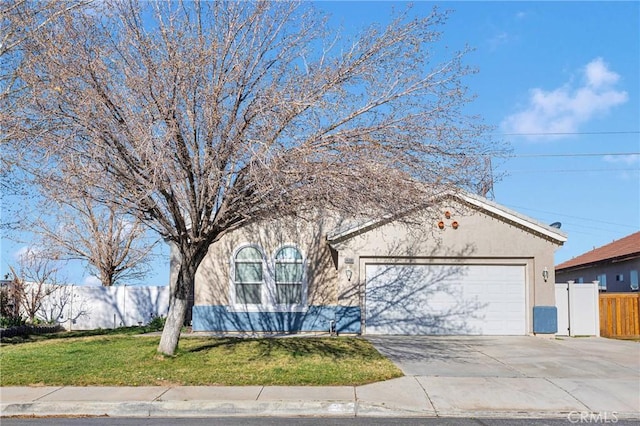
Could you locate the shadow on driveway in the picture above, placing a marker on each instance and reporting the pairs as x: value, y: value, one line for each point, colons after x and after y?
x: 454, y: 356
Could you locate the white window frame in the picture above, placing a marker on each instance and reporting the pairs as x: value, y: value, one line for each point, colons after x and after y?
x: 268, y: 290
x: 232, y: 286
x: 303, y: 285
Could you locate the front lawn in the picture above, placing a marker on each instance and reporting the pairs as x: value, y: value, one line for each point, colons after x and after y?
x: 125, y: 360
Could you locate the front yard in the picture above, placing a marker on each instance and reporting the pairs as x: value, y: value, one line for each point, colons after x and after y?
x: 120, y: 359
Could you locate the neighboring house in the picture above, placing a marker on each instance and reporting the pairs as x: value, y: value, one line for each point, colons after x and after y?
x: 463, y: 265
x: 615, y: 266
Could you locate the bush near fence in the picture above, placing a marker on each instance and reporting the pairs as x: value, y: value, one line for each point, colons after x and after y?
x: 27, y: 330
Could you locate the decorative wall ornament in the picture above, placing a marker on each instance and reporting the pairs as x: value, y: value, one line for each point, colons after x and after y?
x: 454, y: 224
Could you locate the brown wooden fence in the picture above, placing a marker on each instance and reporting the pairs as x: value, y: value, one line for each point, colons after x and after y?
x: 620, y: 315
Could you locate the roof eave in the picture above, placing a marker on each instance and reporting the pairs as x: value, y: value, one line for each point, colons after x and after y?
x: 615, y: 259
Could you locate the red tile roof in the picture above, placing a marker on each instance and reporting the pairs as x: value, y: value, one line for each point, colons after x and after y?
x: 626, y: 246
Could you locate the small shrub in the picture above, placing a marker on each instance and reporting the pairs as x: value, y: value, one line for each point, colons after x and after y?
x: 156, y: 324
x: 6, y: 322
x: 26, y: 330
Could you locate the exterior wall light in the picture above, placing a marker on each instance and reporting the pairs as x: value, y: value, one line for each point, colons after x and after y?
x: 349, y: 274
x: 545, y: 274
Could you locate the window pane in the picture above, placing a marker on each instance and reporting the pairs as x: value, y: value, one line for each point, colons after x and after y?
x: 249, y: 272
x: 289, y: 253
x: 288, y: 272
x: 602, y: 280
x: 249, y: 253
x: 248, y: 294
x: 289, y: 294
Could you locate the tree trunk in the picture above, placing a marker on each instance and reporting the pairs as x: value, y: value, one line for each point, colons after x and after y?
x: 181, y: 287
x: 106, y: 278
x: 172, y: 327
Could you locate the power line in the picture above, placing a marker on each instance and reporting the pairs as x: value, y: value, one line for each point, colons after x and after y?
x: 612, y: 154
x: 570, y: 216
x: 625, y: 132
x: 566, y: 154
x: 592, y: 232
x: 572, y: 170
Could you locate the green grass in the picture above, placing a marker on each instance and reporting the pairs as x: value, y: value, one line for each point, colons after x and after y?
x: 121, y: 359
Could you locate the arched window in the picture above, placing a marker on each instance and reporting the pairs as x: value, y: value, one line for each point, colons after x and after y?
x: 289, y: 273
x: 249, y: 276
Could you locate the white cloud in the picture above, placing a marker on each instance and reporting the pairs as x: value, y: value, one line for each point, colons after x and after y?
x: 627, y: 160
x: 566, y: 108
x: 598, y: 74
x: 91, y: 280
x: 626, y: 165
x: 128, y: 227
x: 499, y: 40
x: 27, y: 253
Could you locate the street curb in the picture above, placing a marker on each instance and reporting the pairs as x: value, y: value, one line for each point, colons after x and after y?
x: 180, y: 409
x: 252, y: 408
x: 159, y: 409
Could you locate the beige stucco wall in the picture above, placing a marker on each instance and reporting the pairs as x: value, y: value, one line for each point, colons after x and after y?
x: 213, y: 278
x: 481, y: 238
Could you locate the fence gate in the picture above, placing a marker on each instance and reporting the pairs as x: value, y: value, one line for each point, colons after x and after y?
x: 562, y: 304
x: 578, y: 309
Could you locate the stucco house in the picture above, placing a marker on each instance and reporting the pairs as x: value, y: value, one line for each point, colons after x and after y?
x: 463, y: 265
x: 615, y: 266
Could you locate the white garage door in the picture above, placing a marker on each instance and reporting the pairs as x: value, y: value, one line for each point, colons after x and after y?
x: 445, y: 299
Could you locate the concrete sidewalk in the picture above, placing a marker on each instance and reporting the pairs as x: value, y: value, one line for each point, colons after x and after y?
x: 522, y: 377
x: 402, y: 397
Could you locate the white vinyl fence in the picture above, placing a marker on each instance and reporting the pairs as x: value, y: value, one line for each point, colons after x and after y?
x: 578, y: 309
x: 90, y: 307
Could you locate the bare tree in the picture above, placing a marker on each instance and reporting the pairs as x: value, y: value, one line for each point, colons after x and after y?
x: 34, y: 280
x: 114, y: 246
x: 201, y: 117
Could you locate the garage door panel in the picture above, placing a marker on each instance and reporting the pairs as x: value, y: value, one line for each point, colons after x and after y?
x: 444, y: 299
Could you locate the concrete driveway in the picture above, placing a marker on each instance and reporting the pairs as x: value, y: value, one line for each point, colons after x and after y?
x: 521, y: 372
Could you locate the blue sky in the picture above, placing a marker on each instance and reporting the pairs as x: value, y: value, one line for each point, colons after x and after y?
x: 560, y: 81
